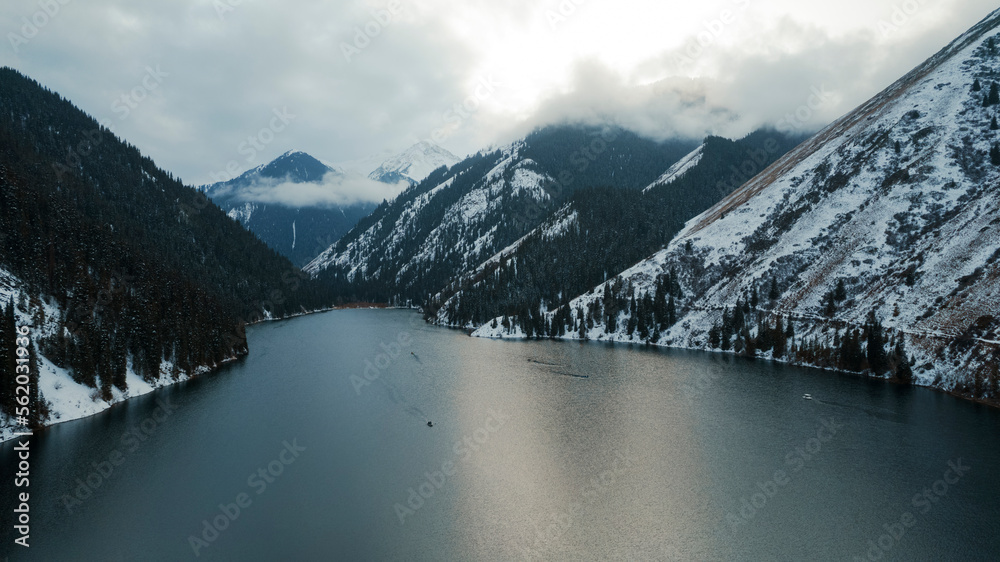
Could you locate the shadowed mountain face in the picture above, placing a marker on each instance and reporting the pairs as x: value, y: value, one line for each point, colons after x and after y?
x: 136, y: 276
x: 459, y: 217
x: 872, y: 247
x: 298, y: 232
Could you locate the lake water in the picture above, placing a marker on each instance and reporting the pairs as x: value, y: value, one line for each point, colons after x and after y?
x: 538, y: 450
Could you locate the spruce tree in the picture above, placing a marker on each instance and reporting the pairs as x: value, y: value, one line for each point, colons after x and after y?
x: 779, y: 339
x: 840, y: 293
x: 876, y: 345
x: 994, y: 97
x: 976, y: 86
x: 995, y: 154
x: 993, y: 124
x: 903, y: 370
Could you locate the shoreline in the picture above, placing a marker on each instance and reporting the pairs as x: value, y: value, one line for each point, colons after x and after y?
x: 516, y: 337
x: 200, y: 371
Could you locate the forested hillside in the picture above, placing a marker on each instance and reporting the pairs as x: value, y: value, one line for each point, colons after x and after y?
x: 602, y: 231
x: 410, y: 248
x: 141, y: 271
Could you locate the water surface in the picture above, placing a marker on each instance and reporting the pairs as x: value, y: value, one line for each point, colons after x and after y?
x: 538, y: 450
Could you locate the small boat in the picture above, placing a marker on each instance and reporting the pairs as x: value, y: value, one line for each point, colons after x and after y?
x: 429, y: 424
x: 807, y: 396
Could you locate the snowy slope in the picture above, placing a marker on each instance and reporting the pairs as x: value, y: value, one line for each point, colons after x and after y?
x: 553, y: 227
x: 679, y: 169
x: 463, y: 228
x: 67, y: 399
x: 414, y: 164
x: 898, y: 200
x: 297, y: 232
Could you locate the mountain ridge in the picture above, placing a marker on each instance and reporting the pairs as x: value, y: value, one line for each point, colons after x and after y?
x: 872, y: 247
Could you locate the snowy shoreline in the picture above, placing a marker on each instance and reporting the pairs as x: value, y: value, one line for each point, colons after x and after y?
x: 487, y: 332
x: 71, y: 401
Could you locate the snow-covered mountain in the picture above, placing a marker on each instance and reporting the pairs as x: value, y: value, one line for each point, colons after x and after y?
x: 451, y: 218
x: 297, y: 231
x: 62, y: 397
x: 458, y: 218
x: 414, y: 164
x: 602, y: 231
x: 873, y: 247
x: 299, y: 228
x: 680, y: 168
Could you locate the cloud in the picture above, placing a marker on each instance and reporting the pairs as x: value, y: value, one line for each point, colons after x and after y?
x: 793, y: 76
x: 227, y: 72
x: 336, y: 189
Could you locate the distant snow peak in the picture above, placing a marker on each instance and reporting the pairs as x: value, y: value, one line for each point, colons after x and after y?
x: 414, y: 164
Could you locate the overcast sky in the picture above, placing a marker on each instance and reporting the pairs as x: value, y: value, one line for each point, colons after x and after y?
x: 201, y: 77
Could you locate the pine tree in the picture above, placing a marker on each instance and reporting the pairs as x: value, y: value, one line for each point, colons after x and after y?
x: 995, y: 154
x: 779, y: 339
x: 994, y: 378
x: 994, y: 97
x: 993, y: 124
x: 773, y: 294
x: 726, y: 332
x: 877, y: 361
x: 840, y: 293
x: 976, y: 86
x: 902, y: 370
x: 830, y: 304
x: 851, y: 355
x: 715, y: 337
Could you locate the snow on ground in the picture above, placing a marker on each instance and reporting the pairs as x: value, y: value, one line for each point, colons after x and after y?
x: 897, y: 199
x: 678, y: 169
x: 68, y: 399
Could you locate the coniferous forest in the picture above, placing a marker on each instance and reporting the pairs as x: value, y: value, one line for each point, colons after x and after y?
x: 144, y: 271
x: 615, y: 227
